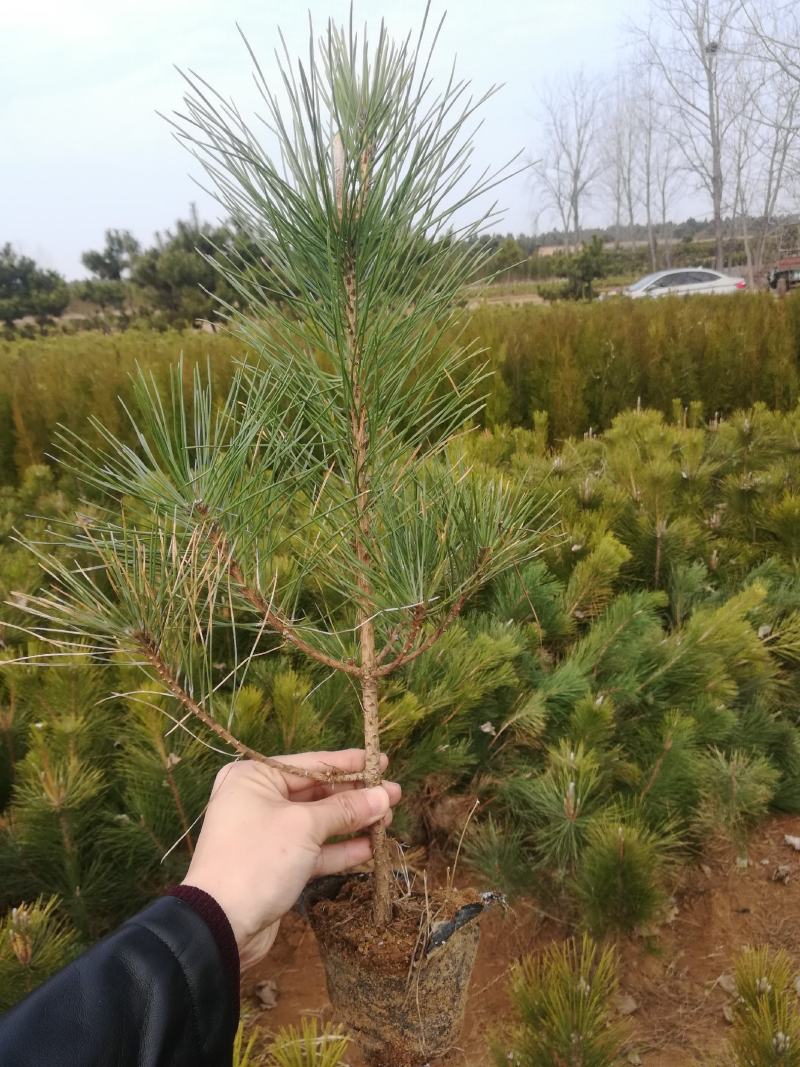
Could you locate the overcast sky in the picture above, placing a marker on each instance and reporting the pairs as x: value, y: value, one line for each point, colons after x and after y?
x: 80, y: 82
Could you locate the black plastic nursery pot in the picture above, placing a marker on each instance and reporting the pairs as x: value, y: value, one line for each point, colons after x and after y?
x: 401, y: 991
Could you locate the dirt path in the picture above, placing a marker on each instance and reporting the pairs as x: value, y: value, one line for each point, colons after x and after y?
x: 674, y: 978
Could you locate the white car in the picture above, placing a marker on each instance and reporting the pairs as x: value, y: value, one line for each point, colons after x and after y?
x: 683, y: 282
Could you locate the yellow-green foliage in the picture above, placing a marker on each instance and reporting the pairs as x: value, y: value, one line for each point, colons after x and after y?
x: 66, y: 379
x: 34, y: 941
x: 563, y: 1000
x: 766, y: 1018
x: 622, y: 697
x: 308, y: 1045
x: 585, y: 363
x: 578, y: 364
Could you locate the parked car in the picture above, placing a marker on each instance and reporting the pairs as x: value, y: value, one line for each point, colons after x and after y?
x: 785, y: 275
x: 683, y: 282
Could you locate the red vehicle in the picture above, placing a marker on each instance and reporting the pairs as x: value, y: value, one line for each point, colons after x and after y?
x: 785, y: 275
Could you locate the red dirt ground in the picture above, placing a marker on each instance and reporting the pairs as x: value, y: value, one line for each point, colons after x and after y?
x: 673, y: 978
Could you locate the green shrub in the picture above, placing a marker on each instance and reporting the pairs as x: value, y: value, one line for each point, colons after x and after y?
x: 620, y: 884
x: 35, y: 940
x: 582, y: 364
x: 735, y: 792
x: 562, y: 998
x: 766, y: 1017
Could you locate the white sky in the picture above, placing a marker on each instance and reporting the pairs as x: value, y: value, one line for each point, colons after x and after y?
x: 82, y: 149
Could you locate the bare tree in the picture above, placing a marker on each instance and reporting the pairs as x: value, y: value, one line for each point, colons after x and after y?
x: 742, y: 165
x: 772, y: 29
x: 658, y: 163
x: 772, y: 38
x: 778, y: 142
x: 694, y: 46
x: 618, y: 154
x: 665, y: 175
x: 570, y: 163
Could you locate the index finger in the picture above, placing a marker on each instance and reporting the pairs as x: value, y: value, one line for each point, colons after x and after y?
x: 345, y: 761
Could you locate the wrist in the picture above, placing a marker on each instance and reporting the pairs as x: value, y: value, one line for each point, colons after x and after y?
x: 253, y: 934
x: 216, y: 919
x: 211, y: 889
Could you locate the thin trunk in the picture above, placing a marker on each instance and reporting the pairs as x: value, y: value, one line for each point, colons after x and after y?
x: 716, y: 163
x: 382, y: 898
x: 631, y: 216
x: 648, y: 202
x: 576, y: 221
x: 748, y: 251
x: 665, y: 236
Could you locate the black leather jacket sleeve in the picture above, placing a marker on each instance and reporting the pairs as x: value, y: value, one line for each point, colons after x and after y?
x: 158, y: 992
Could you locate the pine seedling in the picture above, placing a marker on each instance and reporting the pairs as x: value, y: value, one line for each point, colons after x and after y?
x: 620, y: 882
x: 165, y: 776
x: 766, y: 1018
x: 245, y: 1053
x: 51, y: 827
x: 308, y: 1045
x: 559, y: 804
x: 330, y: 447
x: 670, y: 770
x: 563, y: 998
x: 35, y: 941
x: 500, y: 855
x: 16, y: 686
x: 735, y: 792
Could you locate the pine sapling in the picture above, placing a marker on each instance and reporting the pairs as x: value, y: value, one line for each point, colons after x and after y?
x: 329, y: 451
x: 766, y: 1018
x: 563, y: 1000
x: 35, y: 940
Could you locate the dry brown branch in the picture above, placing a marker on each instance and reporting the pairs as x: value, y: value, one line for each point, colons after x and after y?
x: 149, y: 649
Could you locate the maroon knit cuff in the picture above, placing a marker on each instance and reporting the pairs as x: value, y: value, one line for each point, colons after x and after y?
x: 221, y: 930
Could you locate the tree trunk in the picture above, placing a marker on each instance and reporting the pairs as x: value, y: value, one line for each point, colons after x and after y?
x: 382, y: 899
x: 716, y: 162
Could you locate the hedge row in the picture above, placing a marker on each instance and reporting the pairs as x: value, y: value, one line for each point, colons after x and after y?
x: 579, y: 363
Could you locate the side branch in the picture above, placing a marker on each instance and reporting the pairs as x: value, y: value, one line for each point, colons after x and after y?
x: 149, y: 650
x: 276, y: 622
x: 406, y: 655
x: 416, y: 624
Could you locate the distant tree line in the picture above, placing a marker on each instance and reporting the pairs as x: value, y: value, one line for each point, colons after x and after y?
x: 27, y: 290
x: 174, y: 282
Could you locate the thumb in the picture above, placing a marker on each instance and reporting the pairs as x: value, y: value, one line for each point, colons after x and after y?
x: 349, y: 811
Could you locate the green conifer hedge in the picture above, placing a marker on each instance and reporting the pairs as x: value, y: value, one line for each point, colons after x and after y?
x: 581, y: 364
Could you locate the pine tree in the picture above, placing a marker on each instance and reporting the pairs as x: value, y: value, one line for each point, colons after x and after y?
x: 563, y: 998
x: 671, y: 703
x: 34, y: 941
x: 329, y: 449
x: 766, y: 1018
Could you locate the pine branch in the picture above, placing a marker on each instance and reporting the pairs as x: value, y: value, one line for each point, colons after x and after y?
x: 149, y: 650
x: 272, y: 618
x: 405, y: 657
x: 416, y: 624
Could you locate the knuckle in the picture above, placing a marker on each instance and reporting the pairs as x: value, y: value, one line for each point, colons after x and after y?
x: 350, y: 809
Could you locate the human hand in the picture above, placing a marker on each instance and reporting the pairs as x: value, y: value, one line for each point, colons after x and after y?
x: 264, y: 836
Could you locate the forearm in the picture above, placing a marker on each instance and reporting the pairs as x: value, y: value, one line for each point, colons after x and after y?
x: 162, y: 989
